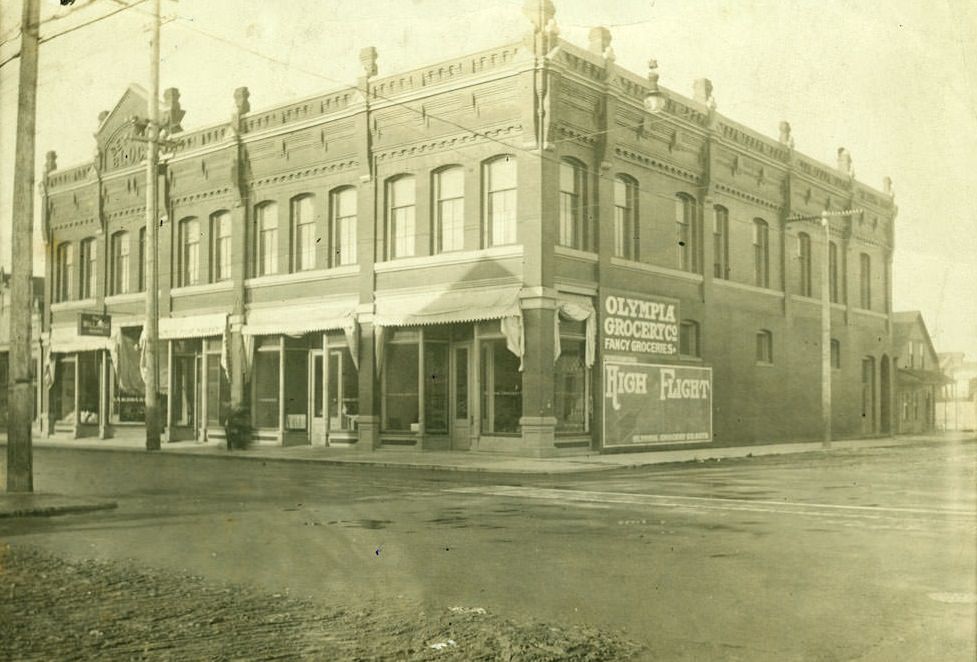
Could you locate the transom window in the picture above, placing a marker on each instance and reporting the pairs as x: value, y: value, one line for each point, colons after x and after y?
x: 449, y: 185
x: 500, y: 201
x: 400, y: 217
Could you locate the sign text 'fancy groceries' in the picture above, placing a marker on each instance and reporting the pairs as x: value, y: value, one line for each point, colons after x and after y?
x: 640, y: 326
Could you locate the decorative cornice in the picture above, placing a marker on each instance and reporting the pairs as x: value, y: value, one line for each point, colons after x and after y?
x: 657, y: 164
x: 749, y: 197
x: 441, y: 144
x: 304, y: 173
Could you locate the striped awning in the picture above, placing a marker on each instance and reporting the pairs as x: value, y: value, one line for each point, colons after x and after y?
x: 300, y: 317
x: 445, y: 306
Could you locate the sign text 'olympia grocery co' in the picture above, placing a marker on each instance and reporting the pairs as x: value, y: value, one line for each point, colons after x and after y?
x: 639, y: 326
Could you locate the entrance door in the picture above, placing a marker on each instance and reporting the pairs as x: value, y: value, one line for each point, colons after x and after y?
x: 461, y: 395
x: 317, y: 420
x: 868, y: 395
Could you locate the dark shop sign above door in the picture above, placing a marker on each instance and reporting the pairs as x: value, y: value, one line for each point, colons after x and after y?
x: 94, y: 324
x: 639, y: 326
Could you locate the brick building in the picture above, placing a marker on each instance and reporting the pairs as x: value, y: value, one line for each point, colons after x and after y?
x: 527, y: 250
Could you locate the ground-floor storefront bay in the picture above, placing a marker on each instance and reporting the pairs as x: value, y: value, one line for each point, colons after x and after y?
x: 499, y: 369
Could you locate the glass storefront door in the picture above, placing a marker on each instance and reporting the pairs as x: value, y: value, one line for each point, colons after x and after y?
x: 461, y: 390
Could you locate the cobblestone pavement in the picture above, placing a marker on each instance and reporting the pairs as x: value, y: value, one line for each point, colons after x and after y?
x: 54, y: 609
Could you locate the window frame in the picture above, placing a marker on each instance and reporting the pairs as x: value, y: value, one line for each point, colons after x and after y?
x: 574, y: 333
x: 88, y: 269
x: 571, y: 232
x: 266, y: 254
x: 221, y: 247
x: 439, y: 206
x: 504, y: 216
x: 761, y: 253
x: 626, y: 225
x: 865, y: 281
x: 401, y: 217
x: 689, y: 232
x: 834, y: 273
x: 835, y: 354
x: 804, y: 264
x: 342, y: 253
x: 188, y: 266
x: 692, y: 327
x: 764, y: 347
x: 720, y: 235
x: 119, y: 264
x: 302, y: 257
x: 65, y: 266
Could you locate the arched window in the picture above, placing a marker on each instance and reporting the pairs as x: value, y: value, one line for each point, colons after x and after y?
x: 834, y: 273
x: 400, y: 216
x: 449, y: 213
x: 689, y: 235
x: 720, y: 240
x: 119, y: 267
x: 188, y: 269
x: 625, y: 218
x: 66, y: 267
x: 804, y: 264
x: 764, y: 346
x: 220, y: 246
x: 572, y: 200
x: 343, y: 227
x: 266, y: 239
x: 865, y: 281
x: 688, y: 339
x: 499, y: 225
x: 761, y: 253
x: 88, y: 268
x: 303, y: 233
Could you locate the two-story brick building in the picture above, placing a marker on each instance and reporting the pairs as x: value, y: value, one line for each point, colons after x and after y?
x: 483, y: 254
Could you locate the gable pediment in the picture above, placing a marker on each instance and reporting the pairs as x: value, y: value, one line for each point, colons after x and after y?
x: 116, y: 146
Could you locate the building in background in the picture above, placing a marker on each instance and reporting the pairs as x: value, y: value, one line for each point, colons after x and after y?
x: 956, y: 402
x: 526, y: 250
x: 37, y: 301
x: 919, y: 378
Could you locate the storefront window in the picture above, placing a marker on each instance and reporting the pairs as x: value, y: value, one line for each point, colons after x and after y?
x: 267, y: 364
x: 436, y: 387
x: 88, y: 387
x: 64, y: 392
x: 185, y: 353
x: 570, y: 385
x: 501, y: 388
x: 400, y: 396
x: 296, y: 384
x: 343, y: 390
x: 218, y: 387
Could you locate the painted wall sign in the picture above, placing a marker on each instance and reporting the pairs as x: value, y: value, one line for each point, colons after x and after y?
x: 640, y: 326
x: 93, y: 324
x: 656, y: 404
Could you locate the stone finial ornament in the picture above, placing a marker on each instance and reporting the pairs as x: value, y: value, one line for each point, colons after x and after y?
x: 101, y: 116
x: 172, y: 113
x: 653, y: 74
x: 844, y: 162
x: 887, y: 187
x: 785, y: 138
x: 540, y: 13
x: 368, y: 58
x: 600, y: 40
x: 50, y: 162
x: 702, y: 90
x: 241, y: 104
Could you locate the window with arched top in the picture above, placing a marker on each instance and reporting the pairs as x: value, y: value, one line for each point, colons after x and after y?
x: 220, y: 246
x: 188, y: 258
x: 804, y: 264
x: 401, y: 223
x: 65, y: 272
x: 266, y: 239
x: 720, y: 241
x: 449, y: 210
x: 342, y: 230
x: 689, y: 234
x: 761, y: 253
x: 499, y: 205
x: 572, y: 200
x: 89, y: 277
x: 302, y: 214
x: 626, y: 239
x: 119, y: 264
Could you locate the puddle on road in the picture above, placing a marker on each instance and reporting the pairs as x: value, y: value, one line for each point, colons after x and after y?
x: 954, y: 598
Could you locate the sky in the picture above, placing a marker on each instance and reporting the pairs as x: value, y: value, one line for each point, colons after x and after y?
x: 893, y: 81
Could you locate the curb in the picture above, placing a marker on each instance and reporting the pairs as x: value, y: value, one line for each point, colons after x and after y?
x: 55, y: 510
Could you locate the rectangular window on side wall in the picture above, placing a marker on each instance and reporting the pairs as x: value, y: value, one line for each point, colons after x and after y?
x: 571, y: 204
x: 761, y: 253
x: 720, y: 238
x: 764, y: 347
x: 689, y: 339
x: 65, y: 272
x: 836, y: 354
x: 834, y: 280
x: 142, y: 260
x: 266, y: 248
x: 804, y: 264
x: 865, y: 281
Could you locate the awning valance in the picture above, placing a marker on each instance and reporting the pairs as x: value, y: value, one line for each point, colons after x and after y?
x: 65, y: 340
x: 445, y: 306
x: 297, y: 319
x: 193, y: 326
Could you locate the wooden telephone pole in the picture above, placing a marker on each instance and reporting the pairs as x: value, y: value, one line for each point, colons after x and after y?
x: 151, y: 329
x: 20, y: 471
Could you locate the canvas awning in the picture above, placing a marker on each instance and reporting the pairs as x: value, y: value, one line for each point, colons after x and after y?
x: 65, y: 340
x: 192, y: 326
x: 294, y: 320
x: 445, y: 306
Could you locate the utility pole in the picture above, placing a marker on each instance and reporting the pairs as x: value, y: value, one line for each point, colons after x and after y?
x: 824, y: 219
x: 151, y: 328
x: 20, y: 471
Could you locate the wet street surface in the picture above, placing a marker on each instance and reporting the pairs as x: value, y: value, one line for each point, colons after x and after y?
x: 851, y: 555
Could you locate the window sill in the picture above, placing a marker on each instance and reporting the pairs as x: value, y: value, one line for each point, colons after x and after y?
x: 750, y: 288
x: 128, y: 297
x: 655, y: 269
x: 302, y: 276
x: 444, y: 259
x: 204, y: 288
x: 575, y: 253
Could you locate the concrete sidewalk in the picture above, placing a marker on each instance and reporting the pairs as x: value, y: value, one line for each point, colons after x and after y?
x: 483, y: 462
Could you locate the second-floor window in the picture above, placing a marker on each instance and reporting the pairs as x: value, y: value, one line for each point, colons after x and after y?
x: 834, y: 280
x: 220, y: 246
x: 804, y: 263
x: 761, y: 253
x: 266, y: 253
x: 189, y: 256
x: 303, y: 233
x: 119, y: 277
x: 449, y: 191
x: 66, y: 267
x: 572, y: 196
x: 689, y: 237
x: 500, y: 201
x: 865, y: 281
x: 88, y: 268
x: 688, y: 339
x: 400, y: 217
x: 343, y: 233
x: 625, y: 218
x: 142, y: 260
x: 720, y: 240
